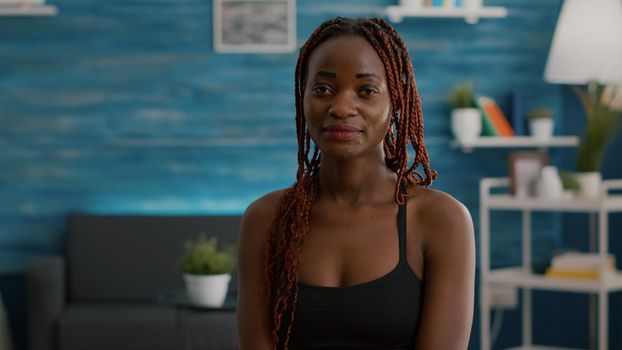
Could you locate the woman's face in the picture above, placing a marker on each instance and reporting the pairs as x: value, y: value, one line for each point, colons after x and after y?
x: 346, y: 102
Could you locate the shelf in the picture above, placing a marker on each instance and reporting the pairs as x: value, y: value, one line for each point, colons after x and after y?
x: 32, y: 10
x: 612, y: 203
x: 516, y: 277
x: 516, y: 142
x: 471, y: 16
x: 540, y: 347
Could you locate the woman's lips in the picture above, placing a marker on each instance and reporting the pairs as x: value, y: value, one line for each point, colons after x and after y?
x: 341, y: 132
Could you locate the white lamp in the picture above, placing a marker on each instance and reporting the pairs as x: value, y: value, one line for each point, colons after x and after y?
x: 587, y: 45
x: 587, y: 49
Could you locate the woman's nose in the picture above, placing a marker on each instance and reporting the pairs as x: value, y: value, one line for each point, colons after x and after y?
x: 343, y: 106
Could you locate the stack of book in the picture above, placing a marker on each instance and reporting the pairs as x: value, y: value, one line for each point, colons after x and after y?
x: 577, y: 265
x: 494, y: 121
x: 432, y: 3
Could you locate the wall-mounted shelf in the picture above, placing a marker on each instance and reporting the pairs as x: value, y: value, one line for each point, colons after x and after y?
x: 516, y: 142
x: 470, y: 15
x: 28, y: 10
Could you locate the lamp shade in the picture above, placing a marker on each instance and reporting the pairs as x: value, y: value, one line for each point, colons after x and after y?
x: 587, y: 44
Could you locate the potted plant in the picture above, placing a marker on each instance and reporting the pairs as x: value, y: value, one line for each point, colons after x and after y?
x: 540, y: 123
x: 603, y: 109
x: 466, y: 119
x: 207, y: 270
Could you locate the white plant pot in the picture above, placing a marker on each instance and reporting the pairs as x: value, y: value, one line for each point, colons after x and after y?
x: 466, y: 124
x: 590, y: 183
x: 207, y: 290
x: 541, y: 128
x: 410, y: 3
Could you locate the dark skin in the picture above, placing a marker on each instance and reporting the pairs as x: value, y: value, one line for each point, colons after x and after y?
x: 353, y: 231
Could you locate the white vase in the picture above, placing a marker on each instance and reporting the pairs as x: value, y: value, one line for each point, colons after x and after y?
x: 541, y: 128
x: 549, y: 183
x: 466, y: 124
x: 207, y: 290
x: 589, y: 183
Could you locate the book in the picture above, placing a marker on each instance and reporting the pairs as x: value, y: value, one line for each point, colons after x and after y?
x: 517, y: 113
x: 496, y: 116
x: 488, y: 129
x: 585, y: 274
x: 579, y: 260
x: 582, y: 274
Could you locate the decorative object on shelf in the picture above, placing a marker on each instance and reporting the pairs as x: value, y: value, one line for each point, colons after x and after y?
x: 549, y: 183
x: 246, y: 26
x: 207, y: 270
x: 470, y: 10
x: 578, y: 265
x: 517, y: 113
x: 524, y: 172
x: 586, y: 50
x: 26, y: 8
x: 466, y: 120
x: 541, y: 123
x: 411, y: 3
x: 495, y: 121
x: 569, y: 182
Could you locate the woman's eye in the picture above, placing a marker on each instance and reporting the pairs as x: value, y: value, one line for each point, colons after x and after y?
x: 321, y: 90
x: 368, y: 91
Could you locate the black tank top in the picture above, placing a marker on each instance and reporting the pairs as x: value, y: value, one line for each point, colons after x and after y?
x: 380, y: 314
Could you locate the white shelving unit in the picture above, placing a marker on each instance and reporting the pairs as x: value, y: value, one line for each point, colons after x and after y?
x: 516, y: 142
x: 28, y: 10
x: 470, y: 15
x: 522, y: 276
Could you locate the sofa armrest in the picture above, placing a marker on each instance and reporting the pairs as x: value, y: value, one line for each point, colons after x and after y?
x: 46, y: 299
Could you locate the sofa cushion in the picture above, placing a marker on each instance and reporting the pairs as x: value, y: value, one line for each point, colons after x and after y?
x: 116, y: 258
x: 141, y: 327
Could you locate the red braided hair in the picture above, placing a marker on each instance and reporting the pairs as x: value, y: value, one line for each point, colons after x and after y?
x: 291, y: 223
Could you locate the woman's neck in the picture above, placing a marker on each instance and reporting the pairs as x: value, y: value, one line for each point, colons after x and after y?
x: 357, y: 180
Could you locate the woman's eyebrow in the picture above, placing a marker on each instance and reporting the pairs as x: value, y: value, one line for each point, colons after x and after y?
x: 366, y: 75
x: 327, y: 74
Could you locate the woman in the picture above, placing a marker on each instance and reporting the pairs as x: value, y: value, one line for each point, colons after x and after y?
x: 358, y: 253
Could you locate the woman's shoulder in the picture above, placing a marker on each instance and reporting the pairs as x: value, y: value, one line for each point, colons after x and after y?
x: 438, y: 212
x: 265, y: 204
x: 259, y: 214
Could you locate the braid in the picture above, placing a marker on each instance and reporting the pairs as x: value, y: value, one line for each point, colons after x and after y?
x: 290, y: 225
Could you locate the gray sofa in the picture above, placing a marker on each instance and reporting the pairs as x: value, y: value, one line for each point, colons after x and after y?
x: 101, y: 294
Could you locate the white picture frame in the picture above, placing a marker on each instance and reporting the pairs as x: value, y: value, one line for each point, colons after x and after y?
x: 524, y: 170
x: 254, y: 26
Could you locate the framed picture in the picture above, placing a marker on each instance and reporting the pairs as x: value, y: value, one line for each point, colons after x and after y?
x: 524, y: 170
x: 254, y: 25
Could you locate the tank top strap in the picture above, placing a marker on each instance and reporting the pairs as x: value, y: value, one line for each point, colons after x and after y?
x: 401, y: 226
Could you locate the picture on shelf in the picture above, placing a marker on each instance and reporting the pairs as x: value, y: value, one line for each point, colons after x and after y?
x: 524, y: 171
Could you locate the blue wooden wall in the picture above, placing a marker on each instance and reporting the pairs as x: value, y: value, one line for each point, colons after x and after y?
x: 122, y: 106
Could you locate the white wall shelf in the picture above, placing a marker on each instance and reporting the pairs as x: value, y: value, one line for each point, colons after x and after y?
x: 471, y: 16
x: 536, y: 347
x: 516, y: 142
x: 28, y: 10
x: 523, y: 277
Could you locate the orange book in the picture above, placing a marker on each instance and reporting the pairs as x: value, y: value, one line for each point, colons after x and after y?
x: 498, y: 119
